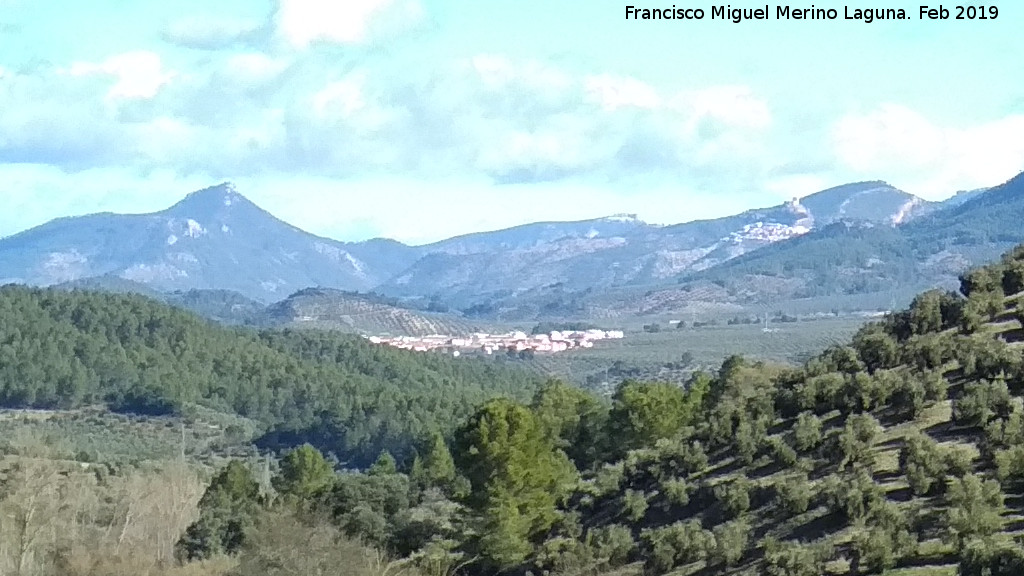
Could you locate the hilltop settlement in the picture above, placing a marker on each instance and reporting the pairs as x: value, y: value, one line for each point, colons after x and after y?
x: 512, y: 342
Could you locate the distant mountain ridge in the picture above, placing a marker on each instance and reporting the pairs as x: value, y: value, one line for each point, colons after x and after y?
x: 213, y: 239
x: 928, y: 250
x: 603, y: 253
x: 216, y: 239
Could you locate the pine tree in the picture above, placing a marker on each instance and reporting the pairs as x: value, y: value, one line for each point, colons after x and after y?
x: 517, y: 477
x: 304, y: 473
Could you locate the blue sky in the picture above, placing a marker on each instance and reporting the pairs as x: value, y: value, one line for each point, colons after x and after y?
x: 420, y: 119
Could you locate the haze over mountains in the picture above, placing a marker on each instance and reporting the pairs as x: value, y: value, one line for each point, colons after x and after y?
x: 851, y: 239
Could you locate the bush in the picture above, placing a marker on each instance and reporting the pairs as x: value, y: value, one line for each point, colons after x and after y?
x: 857, y: 438
x: 909, y: 395
x: 929, y: 352
x: 935, y: 386
x: 1010, y: 465
x: 781, y: 453
x: 821, y: 393
x: 975, y: 509
x: 1004, y: 433
x: 885, y: 539
x: 745, y: 439
x: 680, y: 458
x: 645, y: 412
x: 679, y: 543
x: 634, y: 505
x: 987, y: 558
x: 609, y: 478
x: 731, y: 541
x: 286, y: 546
x: 734, y: 497
x: 854, y: 496
x: 794, y: 559
x: 807, y: 432
x: 958, y: 462
x: 613, y: 543
x: 982, y: 402
x: 677, y: 491
x: 876, y: 348
x: 227, y: 512
x: 925, y: 464
x: 793, y: 494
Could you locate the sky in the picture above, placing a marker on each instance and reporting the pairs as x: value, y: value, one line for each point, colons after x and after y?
x: 423, y: 119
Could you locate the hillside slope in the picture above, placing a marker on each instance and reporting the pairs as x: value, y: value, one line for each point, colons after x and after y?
x: 845, y: 258
x: 213, y: 239
x: 904, y: 449
x: 63, y: 349
x: 501, y: 267
x: 900, y: 453
x: 328, y: 309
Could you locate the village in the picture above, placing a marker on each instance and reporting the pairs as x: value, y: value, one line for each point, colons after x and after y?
x: 512, y: 342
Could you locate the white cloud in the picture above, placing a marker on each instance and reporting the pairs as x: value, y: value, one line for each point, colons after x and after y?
x: 344, y: 97
x: 488, y: 115
x: 888, y: 137
x: 731, y: 105
x: 139, y: 74
x: 163, y: 140
x: 303, y: 22
x: 929, y: 159
x: 208, y: 32
x: 613, y: 92
x: 254, y: 67
x: 497, y: 72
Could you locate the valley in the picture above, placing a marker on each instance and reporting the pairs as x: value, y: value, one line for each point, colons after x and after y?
x: 428, y: 288
x: 894, y: 450
x: 768, y: 411
x: 830, y: 260
x: 735, y: 396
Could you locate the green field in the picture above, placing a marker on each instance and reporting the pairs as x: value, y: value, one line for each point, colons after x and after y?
x: 96, y: 435
x: 789, y: 343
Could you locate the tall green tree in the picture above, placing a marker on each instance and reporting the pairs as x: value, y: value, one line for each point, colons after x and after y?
x: 575, y: 418
x: 517, y: 478
x: 433, y: 465
x: 304, y: 473
x: 645, y: 412
x: 227, y: 512
x: 385, y: 465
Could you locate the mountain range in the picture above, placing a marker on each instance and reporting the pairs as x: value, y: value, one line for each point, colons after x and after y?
x: 859, y: 238
x: 213, y: 239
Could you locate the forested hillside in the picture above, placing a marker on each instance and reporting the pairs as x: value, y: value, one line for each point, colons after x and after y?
x: 902, y: 450
x: 900, y: 453
x: 68, y: 349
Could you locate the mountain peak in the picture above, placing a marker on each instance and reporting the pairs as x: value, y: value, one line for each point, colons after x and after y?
x: 846, y: 191
x: 210, y: 200
x: 872, y: 201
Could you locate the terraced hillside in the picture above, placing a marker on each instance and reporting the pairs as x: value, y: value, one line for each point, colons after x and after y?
x: 363, y: 314
x: 902, y: 453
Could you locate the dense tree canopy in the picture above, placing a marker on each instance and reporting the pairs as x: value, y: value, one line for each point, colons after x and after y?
x: 337, y: 392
